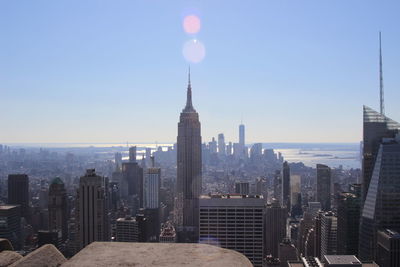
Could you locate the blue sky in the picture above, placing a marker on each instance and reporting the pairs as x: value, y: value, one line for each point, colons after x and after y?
x: 113, y: 71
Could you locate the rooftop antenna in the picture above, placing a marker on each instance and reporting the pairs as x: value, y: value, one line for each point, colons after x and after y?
x: 382, y: 106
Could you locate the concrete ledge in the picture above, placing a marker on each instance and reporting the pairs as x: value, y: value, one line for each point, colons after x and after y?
x: 8, y: 257
x: 121, y: 254
x: 45, y: 256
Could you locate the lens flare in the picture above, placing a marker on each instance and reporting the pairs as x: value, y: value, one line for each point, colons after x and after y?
x: 194, y: 51
x: 191, y: 24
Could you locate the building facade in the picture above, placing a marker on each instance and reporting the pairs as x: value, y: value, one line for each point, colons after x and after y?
x: 189, y: 165
x: 234, y: 222
x: 92, y: 209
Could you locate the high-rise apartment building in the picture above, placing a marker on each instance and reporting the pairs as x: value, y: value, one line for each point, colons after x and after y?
x: 233, y: 222
x: 189, y: 180
x: 18, y: 193
x: 324, y: 186
x: 92, y: 209
x: 57, y: 206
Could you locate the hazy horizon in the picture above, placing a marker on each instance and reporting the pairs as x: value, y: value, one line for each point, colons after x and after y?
x: 96, y: 72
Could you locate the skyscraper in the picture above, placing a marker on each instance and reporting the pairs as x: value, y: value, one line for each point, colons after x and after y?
x: 18, y: 193
x: 388, y: 249
x: 241, y: 135
x: 348, y: 213
x: 375, y: 127
x: 58, y: 217
x: 382, y: 205
x: 189, y: 181
x: 242, y: 188
x: 10, y: 224
x: 286, y: 185
x: 275, y: 227
x: 92, y: 209
x: 221, y: 144
x: 127, y: 230
x: 295, y: 195
x: 233, y: 222
x: 132, y: 182
x: 151, y: 187
x: 328, y: 234
x: 132, y: 154
x: 324, y: 186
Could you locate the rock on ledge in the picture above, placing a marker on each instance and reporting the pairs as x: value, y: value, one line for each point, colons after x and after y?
x: 155, y: 254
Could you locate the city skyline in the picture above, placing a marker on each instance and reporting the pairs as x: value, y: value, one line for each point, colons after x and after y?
x: 93, y: 81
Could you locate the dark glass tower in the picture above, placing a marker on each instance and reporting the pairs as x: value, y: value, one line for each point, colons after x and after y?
x: 375, y: 127
x: 324, y: 186
x: 58, y: 215
x: 382, y: 204
x: 18, y: 193
x: 189, y: 179
x: 286, y: 185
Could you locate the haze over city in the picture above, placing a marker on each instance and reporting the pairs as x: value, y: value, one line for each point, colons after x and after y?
x: 97, y: 71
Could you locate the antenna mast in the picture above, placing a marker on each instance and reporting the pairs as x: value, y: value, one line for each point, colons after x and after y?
x: 381, y: 77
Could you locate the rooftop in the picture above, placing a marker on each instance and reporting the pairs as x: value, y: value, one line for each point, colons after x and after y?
x: 342, y: 259
x: 155, y: 254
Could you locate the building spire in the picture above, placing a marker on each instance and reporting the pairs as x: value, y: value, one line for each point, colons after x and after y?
x: 382, y: 105
x: 189, y: 105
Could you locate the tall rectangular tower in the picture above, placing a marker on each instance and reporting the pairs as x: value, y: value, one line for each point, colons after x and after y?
x: 189, y: 180
x: 324, y: 186
x: 18, y: 192
x: 92, y: 209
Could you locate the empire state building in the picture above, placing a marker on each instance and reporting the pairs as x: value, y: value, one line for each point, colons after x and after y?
x: 189, y: 179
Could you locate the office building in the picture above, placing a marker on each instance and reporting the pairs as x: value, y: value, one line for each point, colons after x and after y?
x: 92, y: 209
x: 233, y: 222
x: 58, y: 213
x: 382, y: 206
x: 242, y: 188
x: 388, y: 248
x: 221, y: 145
x: 242, y: 136
x: 348, y: 216
x: 324, y: 186
x: 295, y: 195
x: 286, y: 185
x: 151, y: 187
x: 18, y: 193
x: 375, y: 127
x: 287, y: 252
x: 132, y: 154
x: 132, y: 182
x: 189, y: 180
x: 328, y: 234
x: 10, y: 224
x: 275, y: 227
x: 127, y: 230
